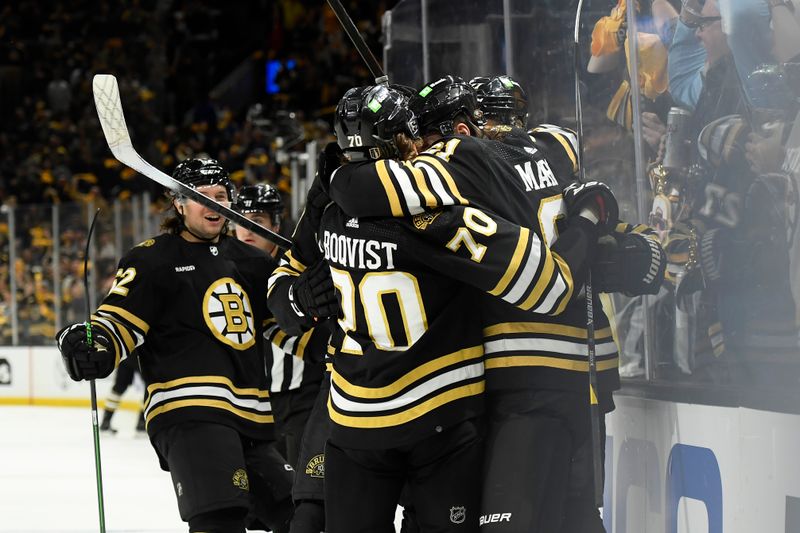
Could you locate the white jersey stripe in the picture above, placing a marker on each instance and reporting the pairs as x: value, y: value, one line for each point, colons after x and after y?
x: 426, y: 388
x: 137, y: 337
x: 298, y: 366
x: 277, y: 369
x: 207, y: 390
x: 413, y: 201
x: 436, y: 183
x: 534, y: 344
x: 556, y: 291
x: 525, y: 279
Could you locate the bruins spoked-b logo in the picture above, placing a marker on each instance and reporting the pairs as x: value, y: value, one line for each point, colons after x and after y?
x: 240, y: 479
x: 228, y: 314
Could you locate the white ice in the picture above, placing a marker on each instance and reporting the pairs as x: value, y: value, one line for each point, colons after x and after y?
x: 47, y: 475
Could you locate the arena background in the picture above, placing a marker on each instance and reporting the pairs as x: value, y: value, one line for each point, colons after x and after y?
x: 703, y: 439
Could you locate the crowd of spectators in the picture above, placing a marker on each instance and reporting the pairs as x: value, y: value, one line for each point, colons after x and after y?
x: 718, y: 87
x: 168, y: 55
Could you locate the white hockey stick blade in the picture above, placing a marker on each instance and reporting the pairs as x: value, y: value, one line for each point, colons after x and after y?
x: 109, y: 111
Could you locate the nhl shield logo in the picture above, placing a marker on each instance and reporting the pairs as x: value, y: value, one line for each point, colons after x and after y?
x: 458, y: 514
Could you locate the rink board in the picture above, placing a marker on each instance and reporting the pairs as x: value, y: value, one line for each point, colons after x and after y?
x: 685, y: 468
x: 35, y: 375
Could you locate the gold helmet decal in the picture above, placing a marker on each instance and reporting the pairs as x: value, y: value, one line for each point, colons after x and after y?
x: 227, y: 311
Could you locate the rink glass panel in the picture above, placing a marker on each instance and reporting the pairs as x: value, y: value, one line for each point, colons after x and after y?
x: 49, y: 245
x: 731, y: 327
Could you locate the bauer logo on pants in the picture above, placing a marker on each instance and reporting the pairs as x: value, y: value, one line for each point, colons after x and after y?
x: 458, y: 514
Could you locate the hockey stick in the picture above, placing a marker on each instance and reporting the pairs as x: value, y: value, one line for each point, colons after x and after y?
x: 95, y: 428
x: 355, y: 37
x: 594, y: 408
x: 109, y: 111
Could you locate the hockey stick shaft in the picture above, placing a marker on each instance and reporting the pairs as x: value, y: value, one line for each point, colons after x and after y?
x: 355, y: 37
x: 109, y: 111
x: 594, y: 408
x: 98, y: 469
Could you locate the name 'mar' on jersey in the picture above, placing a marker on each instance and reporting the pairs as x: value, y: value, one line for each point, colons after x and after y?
x: 195, y: 312
x: 408, y: 357
x: 517, y: 179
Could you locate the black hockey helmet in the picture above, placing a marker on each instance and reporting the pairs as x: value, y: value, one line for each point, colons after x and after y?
x: 260, y: 198
x: 501, y: 98
x: 199, y: 171
x: 367, y: 119
x: 438, y: 103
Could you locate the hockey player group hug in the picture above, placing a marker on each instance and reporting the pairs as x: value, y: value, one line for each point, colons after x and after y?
x: 423, y: 342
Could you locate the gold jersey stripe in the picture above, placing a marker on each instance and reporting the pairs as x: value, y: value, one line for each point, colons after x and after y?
x: 140, y: 324
x: 278, y: 338
x: 204, y: 380
x: 566, y: 274
x: 415, y: 375
x: 567, y: 148
x: 302, y: 342
x: 542, y: 327
x: 516, y: 261
x: 422, y: 185
x: 217, y: 404
x: 541, y: 282
x: 285, y: 270
x: 465, y: 391
x: 297, y: 265
x: 513, y: 361
x: 117, y: 348
x: 127, y: 338
x: 388, y: 186
x: 433, y: 161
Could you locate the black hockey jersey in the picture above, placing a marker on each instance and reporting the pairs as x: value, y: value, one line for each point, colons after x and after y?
x: 408, y: 358
x: 515, y: 179
x: 195, y: 311
x: 293, y: 361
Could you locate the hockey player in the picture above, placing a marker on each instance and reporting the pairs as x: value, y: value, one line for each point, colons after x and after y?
x: 301, y: 296
x: 293, y: 382
x: 191, y: 301
x: 536, y: 366
x: 430, y: 385
x: 630, y: 260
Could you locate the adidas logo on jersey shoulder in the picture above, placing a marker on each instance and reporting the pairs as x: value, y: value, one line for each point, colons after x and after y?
x: 352, y: 223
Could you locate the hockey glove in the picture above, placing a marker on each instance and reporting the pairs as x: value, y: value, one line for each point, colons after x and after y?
x: 329, y: 160
x: 593, y: 200
x: 312, y: 294
x: 629, y: 263
x: 81, y: 360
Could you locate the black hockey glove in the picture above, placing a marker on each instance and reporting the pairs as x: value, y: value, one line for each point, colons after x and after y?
x: 329, y: 160
x: 81, y: 360
x: 628, y: 263
x: 312, y: 294
x: 594, y: 196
